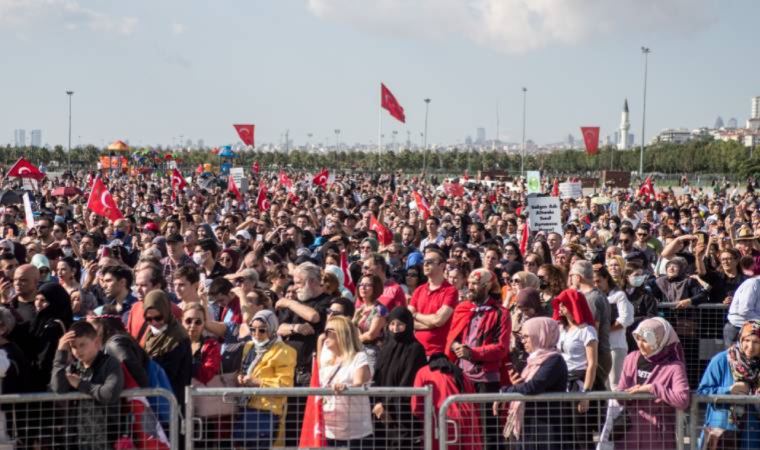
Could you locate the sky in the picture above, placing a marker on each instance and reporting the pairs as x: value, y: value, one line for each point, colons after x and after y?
x: 152, y: 71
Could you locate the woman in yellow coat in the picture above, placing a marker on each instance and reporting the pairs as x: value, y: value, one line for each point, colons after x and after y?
x: 268, y: 363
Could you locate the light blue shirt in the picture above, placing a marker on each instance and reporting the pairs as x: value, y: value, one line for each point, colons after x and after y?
x: 746, y: 303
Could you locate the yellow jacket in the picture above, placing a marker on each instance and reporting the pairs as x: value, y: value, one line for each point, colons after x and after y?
x: 275, y: 370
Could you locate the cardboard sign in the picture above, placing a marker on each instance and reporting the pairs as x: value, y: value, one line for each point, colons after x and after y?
x: 544, y: 214
x: 238, y: 174
x: 534, y: 181
x: 571, y: 189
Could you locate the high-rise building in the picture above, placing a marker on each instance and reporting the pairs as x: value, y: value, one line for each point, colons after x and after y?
x: 480, y: 134
x: 755, y: 108
x: 36, y: 138
x: 719, y: 123
x: 732, y: 123
x: 625, y: 125
x: 19, y: 137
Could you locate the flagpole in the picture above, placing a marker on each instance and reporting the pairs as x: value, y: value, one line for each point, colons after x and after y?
x: 379, y: 133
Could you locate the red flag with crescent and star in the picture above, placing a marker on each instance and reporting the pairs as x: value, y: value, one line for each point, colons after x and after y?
x: 25, y: 169
x: 384, y: 235
x: 320, y: 179
x: 245, y: 131
x: 178, y: 182
x: 313, y: 425
x: 647, y: 189
x: 422, y: 204
x: 101, y: 202
x: 285, y: 180
x: 233, y: 187
x: 348, y: 282
x: 256, y: 167
x: 262, y: 202
x: 389, y: 102
x: 591, y: 139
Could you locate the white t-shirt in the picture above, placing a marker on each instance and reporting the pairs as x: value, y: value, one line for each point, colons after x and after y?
x: 345, y: 417
x: 625, y: 318
x: 572, y: 344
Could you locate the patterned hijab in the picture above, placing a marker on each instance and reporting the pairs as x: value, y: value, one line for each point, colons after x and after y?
x: 743, y: 368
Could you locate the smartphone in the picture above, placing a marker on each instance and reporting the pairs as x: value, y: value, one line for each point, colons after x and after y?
x: 259, y: 237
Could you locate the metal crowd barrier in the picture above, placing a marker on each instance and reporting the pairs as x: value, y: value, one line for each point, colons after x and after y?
x: 700, y: 330
x: 264, y: 418
x: 74, y: 420
x: 553, y: 421
x: 739, y: 414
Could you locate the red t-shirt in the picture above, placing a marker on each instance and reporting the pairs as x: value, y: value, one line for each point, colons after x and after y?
x: 426, y: 301
x: 393, y: 295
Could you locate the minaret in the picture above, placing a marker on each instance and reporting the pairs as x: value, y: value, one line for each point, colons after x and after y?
x: 625, y: 125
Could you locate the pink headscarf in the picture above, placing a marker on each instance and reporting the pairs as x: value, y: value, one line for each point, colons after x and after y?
x: 543, y: 334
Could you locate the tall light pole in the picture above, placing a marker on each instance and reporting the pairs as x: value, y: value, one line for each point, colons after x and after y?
x: 522, y: 159
x: 424, y: 142
x: 645, y: 51
x: 68, y: 154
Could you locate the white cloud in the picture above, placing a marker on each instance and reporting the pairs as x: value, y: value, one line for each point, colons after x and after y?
x: 518, y: 25
x: 68, y: 14
x: 177, y: 28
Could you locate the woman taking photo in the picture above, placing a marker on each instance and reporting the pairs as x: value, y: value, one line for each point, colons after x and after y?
x: 344, y: 364
x: 656, y: 368
x: 400, y: 358
x: 545, y: 371
x: 267, y: 362
x: 370, y: 315
x: 734, y: 371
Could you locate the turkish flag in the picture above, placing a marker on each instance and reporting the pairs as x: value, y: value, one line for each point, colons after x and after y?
x: 454, y: 189
x: 320, y: 179
x: 524, y: 238
x: 285, y: 180
x: 233, y: 187
x: 199, y: 169
x: 256, y: 167
x: 246, y: 133
x: 591, y: 138
x: 313, y: 425
x: 384, y: 235
x: 102, y: 203
x: 348, y: 282
x: 262, y: 202
x: 422, y: 204
x: 647, y: 189
x: 25, y: 169
x: 388, y: 101
x: 555, y: 188
x: 178, y: 182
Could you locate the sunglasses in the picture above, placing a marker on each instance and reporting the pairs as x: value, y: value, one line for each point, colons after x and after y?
x: 259, y: 330
x: 191, y: 321
x: 332, y: 312
x: 154, y: 318
x: 516, y: 280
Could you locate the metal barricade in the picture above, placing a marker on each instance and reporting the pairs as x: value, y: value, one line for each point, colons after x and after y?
x: 725, y: 421
x: 700, y: 330
x: 553, y: 421
x: 75, y: 420
x: 264, y: 418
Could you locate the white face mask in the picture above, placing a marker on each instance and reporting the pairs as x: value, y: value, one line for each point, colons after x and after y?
x: 637, y: 281
x: 198, y: 258
x: 155, y: 330
x: 260, y: 344
x: 67, y: 251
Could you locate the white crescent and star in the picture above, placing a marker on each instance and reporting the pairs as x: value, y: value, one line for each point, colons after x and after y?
x: 24, y: 170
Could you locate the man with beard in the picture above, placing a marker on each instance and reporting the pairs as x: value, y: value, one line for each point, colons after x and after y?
x: 478, y: 340
x: 301, y: 322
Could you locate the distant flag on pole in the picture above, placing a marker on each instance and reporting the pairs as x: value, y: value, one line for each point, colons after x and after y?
x: 245, y: 131
x: 591, y: 139
x: 389, y: 102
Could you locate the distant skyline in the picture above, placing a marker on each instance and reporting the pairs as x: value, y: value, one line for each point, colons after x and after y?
x: 154, y: 71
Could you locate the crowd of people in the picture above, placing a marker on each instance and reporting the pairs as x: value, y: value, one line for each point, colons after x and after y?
x: 201, y: 286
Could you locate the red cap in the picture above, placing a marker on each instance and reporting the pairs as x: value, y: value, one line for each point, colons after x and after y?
x: 151, y: 226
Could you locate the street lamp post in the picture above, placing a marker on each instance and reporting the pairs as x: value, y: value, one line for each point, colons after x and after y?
x: 645, y: 51
x: 424, y: 142
x: 68, y: 154
x: 522, y: 158
x: 337, y: 145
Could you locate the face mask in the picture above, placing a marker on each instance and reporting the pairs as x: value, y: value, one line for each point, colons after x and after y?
x: 686, y: 228
x: 543, y: 284
x: 155, y: 330
x: 118, y: 234
x: 198, y: 259
x: 88, y: 256
x: 637, y: 281
x: 67, y: 252
x: 59, y: 219
x: 260, y: 344
x: 392, y: 261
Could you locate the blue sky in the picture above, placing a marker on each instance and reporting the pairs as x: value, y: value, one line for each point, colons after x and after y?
x: 151, y: 71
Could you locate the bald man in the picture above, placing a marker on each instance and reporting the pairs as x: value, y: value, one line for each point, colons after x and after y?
x: 25, y: 281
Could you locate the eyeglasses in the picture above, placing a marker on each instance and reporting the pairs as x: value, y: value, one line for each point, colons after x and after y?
x: 154, y: 318
x: 239, y: 281
x: 516, y: 280
x: 365, y: 285
x: 332, y: 312
x: 431, y: 262
x: 412, y: 275
x: 191, y: 321
x: 625, y: 241
x: 365, y: 247
x: 531, y: 263
x: 642, y: 234
x: 259, y: 330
